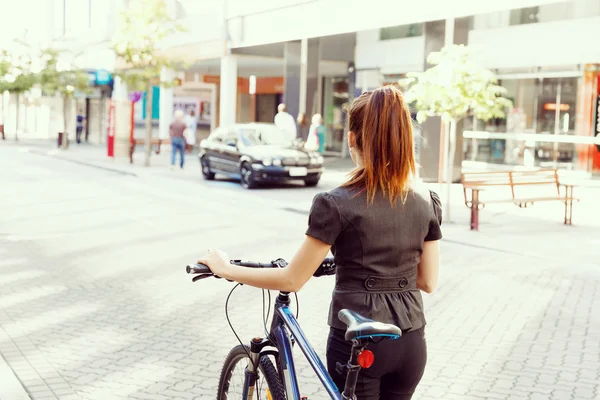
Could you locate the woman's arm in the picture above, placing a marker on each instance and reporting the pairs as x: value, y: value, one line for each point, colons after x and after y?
x: 308, y: 258
x: 429, y: 267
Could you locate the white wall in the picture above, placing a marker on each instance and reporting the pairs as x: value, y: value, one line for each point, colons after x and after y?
x: 543, y: 44
x: 391, y: 56
x: 304, y: 19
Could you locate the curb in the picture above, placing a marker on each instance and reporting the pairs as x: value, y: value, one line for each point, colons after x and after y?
x: 87, y: 164
x: 10, y: 386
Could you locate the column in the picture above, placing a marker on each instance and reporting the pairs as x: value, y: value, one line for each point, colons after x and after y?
x: 120, y: 118
x: 430, y: 148
x: 301, y: 74
x: 165, y: 104
x: 228, y: 93
x: 291, y: 75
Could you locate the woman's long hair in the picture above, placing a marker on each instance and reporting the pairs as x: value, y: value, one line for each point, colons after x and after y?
x: 381, y: 122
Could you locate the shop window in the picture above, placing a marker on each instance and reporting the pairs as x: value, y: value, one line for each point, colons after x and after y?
x: 401, y: 31
x: 521, y: 16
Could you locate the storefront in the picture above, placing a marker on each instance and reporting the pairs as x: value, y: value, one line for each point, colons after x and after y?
x: 335, y: 95
x: 557, y: 107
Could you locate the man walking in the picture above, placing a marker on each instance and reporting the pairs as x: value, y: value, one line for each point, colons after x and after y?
x: 176, y: 131
x: 80, y: 125
x: 285, y: 122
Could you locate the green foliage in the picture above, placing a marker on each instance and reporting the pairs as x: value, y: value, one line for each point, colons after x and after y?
x: 4, y: 63
x: 64, y: 82
x: 142, y: 27
x: 456, y: 87
x: 16, y: 73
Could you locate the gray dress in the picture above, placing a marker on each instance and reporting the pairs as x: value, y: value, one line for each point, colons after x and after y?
x: 377, y: 249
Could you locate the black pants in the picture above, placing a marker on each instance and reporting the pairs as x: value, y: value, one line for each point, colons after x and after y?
x: 396, y: 372
x: 78, y: 134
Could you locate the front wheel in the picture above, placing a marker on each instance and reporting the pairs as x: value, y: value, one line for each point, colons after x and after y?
x: 247, y: 179
x: 206, y: 171
x: 231, y: 381
x: 311, y: 182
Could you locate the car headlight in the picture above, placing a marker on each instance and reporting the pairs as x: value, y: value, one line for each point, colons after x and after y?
x: 277, y: 162
x: 316, y: 160
x: 267, y: 161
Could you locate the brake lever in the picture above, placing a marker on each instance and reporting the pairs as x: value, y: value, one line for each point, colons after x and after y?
x: 204, y: 276
x: 280, y: 263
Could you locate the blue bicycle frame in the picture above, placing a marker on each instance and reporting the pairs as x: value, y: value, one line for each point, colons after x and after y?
x: 283, y: 328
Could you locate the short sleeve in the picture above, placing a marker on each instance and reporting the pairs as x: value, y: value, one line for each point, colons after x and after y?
x: 324, y: 221
x: 435, y: 232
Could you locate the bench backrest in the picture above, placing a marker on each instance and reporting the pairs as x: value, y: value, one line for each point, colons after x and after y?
x: 513, y: 179
x: 495, y: 178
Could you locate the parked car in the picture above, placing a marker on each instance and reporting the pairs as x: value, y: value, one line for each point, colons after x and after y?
x: 257, y: 153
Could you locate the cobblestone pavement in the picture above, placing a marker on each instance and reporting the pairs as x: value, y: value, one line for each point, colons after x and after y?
x: 94, y: 302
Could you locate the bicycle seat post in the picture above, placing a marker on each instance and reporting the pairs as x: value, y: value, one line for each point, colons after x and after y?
x: 351, y: 370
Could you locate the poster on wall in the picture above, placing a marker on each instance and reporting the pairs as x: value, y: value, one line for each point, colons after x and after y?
x: 187, y: 104
x: 200, y: 104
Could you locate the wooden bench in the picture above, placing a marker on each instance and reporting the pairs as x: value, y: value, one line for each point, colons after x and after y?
x: 475, y: 182
x: 155, y: 142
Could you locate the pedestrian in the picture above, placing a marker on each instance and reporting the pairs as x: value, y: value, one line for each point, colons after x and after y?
x: 285, y: 122
x: 176, y: 131
x: 191, y: 123
x: 316, y: 133
x: 383, y: 228
x: 80, y: 126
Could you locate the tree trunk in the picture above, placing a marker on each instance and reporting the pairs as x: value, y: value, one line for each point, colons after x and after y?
x: 148, y: 146
x: 65, y: 135
x: 18, y: 98
x: 449, y: 150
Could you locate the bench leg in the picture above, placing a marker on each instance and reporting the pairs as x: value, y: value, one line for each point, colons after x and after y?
x: 568, y: 205
x: 475, y: 210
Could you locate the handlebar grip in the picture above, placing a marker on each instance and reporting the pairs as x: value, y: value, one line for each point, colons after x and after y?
x: 198, y: 269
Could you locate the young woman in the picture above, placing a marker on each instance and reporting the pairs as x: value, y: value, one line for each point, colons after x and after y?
x: 383, y: 230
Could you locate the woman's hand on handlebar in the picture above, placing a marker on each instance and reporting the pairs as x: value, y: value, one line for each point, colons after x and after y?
x: 217, y: 261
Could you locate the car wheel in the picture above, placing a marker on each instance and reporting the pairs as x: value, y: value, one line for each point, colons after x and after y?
x: 247, y: 176
x: 311, y: 182
x: 206, y: 171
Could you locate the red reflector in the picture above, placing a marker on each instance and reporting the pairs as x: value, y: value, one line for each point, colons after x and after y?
x: 366, y: 359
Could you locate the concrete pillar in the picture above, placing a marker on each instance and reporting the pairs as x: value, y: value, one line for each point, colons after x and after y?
x: 429, y: 142
x: 165, y: 104
x: 228, y: 94
x: 122, y: 116
x: 291, y: 75
x: 301, y: 74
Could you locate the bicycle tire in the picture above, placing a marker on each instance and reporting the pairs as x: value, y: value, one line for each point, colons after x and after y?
x: 265, y: 367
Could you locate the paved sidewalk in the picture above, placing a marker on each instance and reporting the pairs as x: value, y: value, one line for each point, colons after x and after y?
x: 94, y: 302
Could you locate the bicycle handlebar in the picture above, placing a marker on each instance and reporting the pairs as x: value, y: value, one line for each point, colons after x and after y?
x: 202, y: 271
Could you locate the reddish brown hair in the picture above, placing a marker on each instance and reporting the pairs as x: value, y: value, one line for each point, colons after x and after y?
x: 381, y: 122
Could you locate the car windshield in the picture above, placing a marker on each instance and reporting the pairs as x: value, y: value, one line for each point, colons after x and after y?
x: 263, y: 135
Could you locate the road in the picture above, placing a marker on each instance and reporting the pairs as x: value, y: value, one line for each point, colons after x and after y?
x: 95, y: 304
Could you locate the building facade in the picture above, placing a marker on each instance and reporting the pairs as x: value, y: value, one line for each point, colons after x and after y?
x: 324, y: 52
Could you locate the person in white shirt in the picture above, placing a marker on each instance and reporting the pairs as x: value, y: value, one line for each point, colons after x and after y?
x: 285, y: 122
x: 191, y: 123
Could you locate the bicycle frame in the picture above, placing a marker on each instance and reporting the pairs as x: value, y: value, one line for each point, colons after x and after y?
x: 284, y: 327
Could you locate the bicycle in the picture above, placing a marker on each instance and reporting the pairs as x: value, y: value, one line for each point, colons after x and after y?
x: 284, y: 332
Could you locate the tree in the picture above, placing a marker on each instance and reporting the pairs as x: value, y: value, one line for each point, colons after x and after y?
x: 4, y: 68
x: 143, y: 26
x: 454, y: 88
x: 64, y: 82
x: 16, y: 75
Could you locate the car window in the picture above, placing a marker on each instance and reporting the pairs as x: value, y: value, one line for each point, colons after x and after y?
x: 263, y: 134
x: 231, y: 136
x: 218, y: 135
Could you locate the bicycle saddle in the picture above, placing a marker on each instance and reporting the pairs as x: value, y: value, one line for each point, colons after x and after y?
x: 360, y: 327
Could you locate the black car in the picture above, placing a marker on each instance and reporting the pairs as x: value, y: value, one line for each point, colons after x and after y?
x: 256, y: 153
